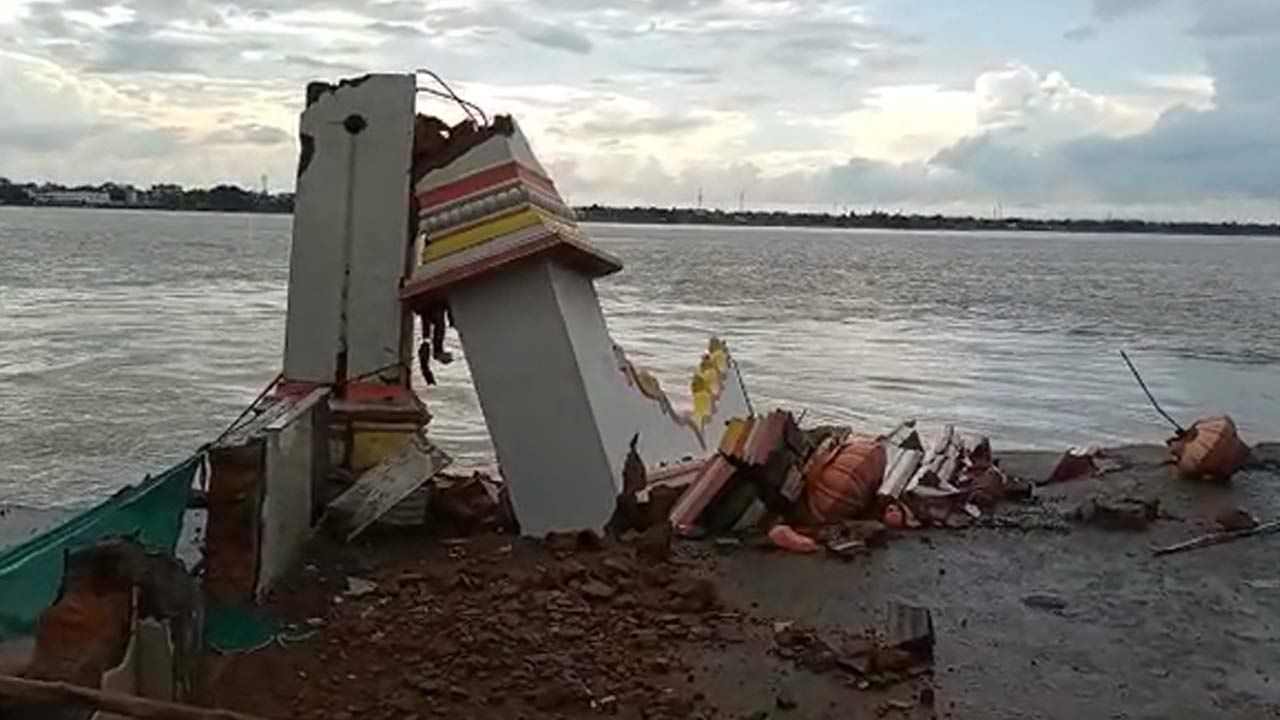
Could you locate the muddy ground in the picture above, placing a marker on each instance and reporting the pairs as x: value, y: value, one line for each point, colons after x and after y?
x: 1035, y: 618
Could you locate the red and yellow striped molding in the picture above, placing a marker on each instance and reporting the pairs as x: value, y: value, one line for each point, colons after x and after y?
x: 478, y: 182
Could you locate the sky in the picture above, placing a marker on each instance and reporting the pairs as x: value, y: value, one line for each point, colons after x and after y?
x: 1161, y: 109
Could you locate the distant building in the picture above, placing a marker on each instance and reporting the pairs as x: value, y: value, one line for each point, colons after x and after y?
x: 72, y: 197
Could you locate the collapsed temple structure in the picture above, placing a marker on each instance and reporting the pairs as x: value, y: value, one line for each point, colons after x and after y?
x: 489, y: 237
x: 389, y: 222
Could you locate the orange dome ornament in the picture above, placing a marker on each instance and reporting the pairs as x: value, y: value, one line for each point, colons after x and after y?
x: 1211, y: 449
x: 844, y: 483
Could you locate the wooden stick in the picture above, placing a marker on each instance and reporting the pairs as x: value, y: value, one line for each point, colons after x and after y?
x: 66, y: 694
x: 1151, y: 397
x: 1218, y: 538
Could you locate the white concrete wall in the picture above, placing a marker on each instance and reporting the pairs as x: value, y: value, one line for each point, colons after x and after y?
x: 526, y: 374
x: 286, y: 502
x: 312, y: 325
x: 356, y: 189
x: 381, y: 250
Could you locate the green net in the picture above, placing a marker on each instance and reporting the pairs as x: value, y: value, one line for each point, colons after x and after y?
x: 31, y: 573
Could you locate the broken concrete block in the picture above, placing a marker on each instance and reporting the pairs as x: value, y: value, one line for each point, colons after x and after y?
x: 389, y: 482
x: 125, y: 620
x: 910, y: 628
x: 1074, y: 463
x: 260, y: 498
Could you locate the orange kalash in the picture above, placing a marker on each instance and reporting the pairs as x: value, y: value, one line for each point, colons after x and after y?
x: 1210, y: 449
x: 844, y: 482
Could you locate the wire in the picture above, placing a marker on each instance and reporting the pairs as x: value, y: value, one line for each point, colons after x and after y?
x: 449, y: 94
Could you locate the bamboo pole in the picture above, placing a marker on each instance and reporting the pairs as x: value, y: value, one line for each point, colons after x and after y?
x: 66, y: 694
x: 1142, y: 384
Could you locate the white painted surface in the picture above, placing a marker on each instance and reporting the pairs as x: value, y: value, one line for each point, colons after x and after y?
x: 377, y: 326
x: 388, y: 483
x: 534, y: 400
x: 123, y: 678
x: 312, y: 325
x: 155, y: 660
x: 620, y: 410
x: 733, y: 403
x: 286, y: 502
x: 560, y: 410
x: 355, y: 189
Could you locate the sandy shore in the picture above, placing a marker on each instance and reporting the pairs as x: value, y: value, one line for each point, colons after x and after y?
x: 1035, y: 617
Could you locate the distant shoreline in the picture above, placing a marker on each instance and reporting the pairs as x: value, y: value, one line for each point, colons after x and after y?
x: 779, y: 219
x: 885, y: 221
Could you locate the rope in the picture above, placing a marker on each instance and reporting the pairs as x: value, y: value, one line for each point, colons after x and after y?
x: 245, y: 413
x: 449, y: 94
x: 379, y: 371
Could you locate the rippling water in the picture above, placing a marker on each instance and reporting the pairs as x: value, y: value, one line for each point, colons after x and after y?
x: 128, y: 338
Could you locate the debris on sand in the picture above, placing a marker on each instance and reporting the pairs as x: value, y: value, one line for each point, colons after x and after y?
x: 1236, y: 519
x: 910, y: 629
x: 504, y: 630
x: 1218, y: 538
x: 1075, y: 463
x: 1132, y: 514
x: 881, y: 657
x: 1048, y: 603
x: 358, y: 587
x: 784, y: 537
x: 770, y: 473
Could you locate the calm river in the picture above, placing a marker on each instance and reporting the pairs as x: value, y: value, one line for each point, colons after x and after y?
x: 128, y: 338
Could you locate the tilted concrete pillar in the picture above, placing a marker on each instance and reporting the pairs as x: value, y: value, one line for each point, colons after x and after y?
x: 561, y: 401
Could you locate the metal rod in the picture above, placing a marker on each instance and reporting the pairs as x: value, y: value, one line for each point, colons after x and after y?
x: 1151, y: 397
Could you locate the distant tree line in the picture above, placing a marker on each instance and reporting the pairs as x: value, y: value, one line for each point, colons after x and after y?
x: 232, y: 198
x: 219, y: 198
x: 899, y: 221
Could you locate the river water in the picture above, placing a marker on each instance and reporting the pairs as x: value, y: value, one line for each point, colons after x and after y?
x: 129, y: 338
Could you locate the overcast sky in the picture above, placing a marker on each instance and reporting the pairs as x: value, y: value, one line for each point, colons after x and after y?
x: 1152, y: 108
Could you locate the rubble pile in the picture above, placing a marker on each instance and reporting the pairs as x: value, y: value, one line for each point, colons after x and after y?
x: 491, y: 627
x: 879, y: 658
x: 802, y: 489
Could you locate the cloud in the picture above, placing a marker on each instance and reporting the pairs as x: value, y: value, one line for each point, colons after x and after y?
x: 1112, y: 9
x: 660, y: 125
x: 557, y: 38
x: 803, y: 103
x: 249, y: 134
x: 44, y: 107
x: 686, y: 73
x: 312, y: 63
x: 140, y: 46
x: 1080, y: 33
x: 1237, y: 19
x: 1048, y: 107
x: 396, y: 29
